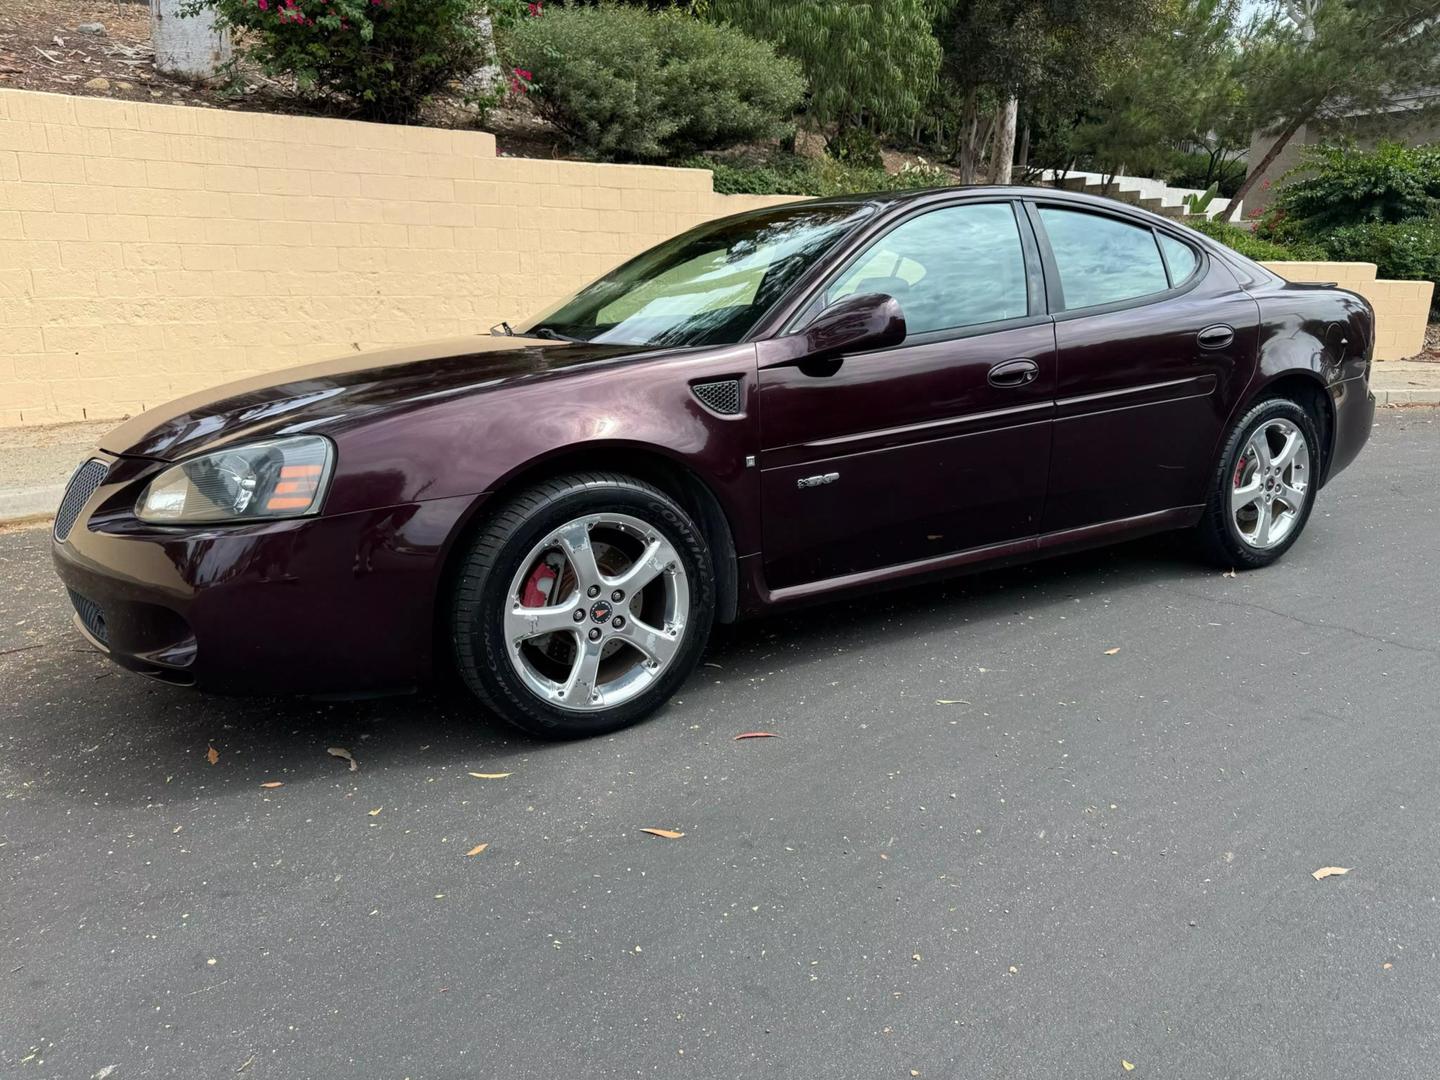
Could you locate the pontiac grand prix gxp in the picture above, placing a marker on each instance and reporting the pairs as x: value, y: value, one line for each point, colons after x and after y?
x: 769, y: 409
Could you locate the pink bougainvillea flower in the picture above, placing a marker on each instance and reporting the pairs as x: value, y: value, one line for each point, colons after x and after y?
x: 536, y: 8
x: 264, y: 4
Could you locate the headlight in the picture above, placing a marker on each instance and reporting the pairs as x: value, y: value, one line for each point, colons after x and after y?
x: 278, y: 478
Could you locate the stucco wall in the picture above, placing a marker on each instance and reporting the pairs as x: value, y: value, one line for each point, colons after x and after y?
x: 1402, y: 308
x: 150, y: 250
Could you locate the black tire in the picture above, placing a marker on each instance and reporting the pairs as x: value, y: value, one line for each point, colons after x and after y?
x: 1221, y: 540
x: 488, y: 567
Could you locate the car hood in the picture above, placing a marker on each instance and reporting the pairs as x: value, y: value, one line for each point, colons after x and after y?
x: 329, y: 395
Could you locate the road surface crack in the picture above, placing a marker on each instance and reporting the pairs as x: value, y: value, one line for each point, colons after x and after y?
x: 1313, y: 624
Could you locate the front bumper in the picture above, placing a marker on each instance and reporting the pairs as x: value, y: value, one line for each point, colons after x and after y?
x: 342, y: 604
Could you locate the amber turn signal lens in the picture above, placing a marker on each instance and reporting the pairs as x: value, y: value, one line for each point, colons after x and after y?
x: 296, y: 489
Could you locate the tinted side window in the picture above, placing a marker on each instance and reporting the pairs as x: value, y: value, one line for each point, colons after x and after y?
x: 956, y: 266
x: 1180, y: 256
x: 1102, y: 260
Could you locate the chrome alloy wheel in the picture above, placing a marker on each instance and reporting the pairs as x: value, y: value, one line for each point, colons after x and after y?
x: 596, y: 612
x: 1270, y: 484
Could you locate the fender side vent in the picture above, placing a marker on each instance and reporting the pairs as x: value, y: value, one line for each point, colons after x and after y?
x: 722, y: 397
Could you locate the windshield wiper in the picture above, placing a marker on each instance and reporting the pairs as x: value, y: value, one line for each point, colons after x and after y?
x: 501, y: 329
x: 552, y: 335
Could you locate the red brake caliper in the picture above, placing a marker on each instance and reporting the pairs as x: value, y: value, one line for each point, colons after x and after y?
x: 536, y: 592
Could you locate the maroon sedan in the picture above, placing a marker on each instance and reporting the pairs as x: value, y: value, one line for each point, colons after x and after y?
x: 769, y: 409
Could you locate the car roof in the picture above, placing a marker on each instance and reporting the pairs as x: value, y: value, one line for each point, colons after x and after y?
x: 1010, y: 191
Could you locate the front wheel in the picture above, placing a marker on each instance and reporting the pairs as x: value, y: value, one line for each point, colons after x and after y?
x: 1265, y: 487
x: 582, y: 605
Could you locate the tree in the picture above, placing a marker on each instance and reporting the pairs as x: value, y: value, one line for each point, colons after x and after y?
x: 1178, y: 88
x: 1325, y: 59
x: 870, y: 63
x: 1001, y: 52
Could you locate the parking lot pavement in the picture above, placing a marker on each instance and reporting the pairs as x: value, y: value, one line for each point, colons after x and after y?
x: 984, y: 845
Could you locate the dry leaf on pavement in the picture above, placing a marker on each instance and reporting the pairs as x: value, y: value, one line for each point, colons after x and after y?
x: 1111, y: 652
x: 1127, y: 1066
x: 1329, y: 871
x: 342, y: 753
x: 476, y: 849
x: 212, y: 755
x: 376, y: 811
x: 1229, y: 573
x: 489, y: 775
x: 950, y: 701
x: 273, y: 784
x: 756, y: 735
x: 668, y: 834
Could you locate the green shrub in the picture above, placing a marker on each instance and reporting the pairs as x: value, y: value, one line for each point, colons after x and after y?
x: 855, y: 146
x: 1405, y: 250
x: 789, y: 174
x: 382, y: 57
x: 1254, y: 247
x: 626, y: 84
x: 787, y: 177
x: 1339, y: 185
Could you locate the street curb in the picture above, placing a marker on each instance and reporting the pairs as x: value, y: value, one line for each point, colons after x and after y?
x: 1425, y: 396
x: 35, y: 502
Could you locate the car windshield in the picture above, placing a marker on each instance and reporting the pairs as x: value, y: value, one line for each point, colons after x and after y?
x: 709, y: 286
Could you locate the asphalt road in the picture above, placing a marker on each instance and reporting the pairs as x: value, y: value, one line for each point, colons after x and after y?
x: 981, y: 848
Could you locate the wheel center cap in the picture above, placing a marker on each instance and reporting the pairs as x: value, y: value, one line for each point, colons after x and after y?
x: 600, y: 611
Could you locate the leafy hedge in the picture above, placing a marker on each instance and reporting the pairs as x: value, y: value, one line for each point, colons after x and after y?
x: 1403, y: 250
x: 1339, y: 185
x: 1380, y: 206
x: 790, y: 174
x: 1251, y: 246
x: 625, y: 84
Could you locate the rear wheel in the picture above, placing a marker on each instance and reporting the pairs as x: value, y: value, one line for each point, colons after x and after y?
x: 582, y: 605
x: 1265, y: 487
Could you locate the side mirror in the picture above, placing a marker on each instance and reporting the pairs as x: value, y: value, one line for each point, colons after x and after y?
x: 857, y: 323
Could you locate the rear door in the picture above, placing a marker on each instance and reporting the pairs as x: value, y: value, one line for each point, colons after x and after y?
x: 935, y: 446
x: 1155, y: 341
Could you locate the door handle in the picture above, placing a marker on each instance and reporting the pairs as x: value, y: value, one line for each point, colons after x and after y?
x: 1011, y: 373
x: 1215, y: 337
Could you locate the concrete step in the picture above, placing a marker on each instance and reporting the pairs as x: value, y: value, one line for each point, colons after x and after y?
x: 1138, y: 191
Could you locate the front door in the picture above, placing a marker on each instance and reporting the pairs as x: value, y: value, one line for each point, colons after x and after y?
x: 936, y: 446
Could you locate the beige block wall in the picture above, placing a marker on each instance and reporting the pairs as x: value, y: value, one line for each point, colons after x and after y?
x: 147, y: 251
x: 1402, y: 308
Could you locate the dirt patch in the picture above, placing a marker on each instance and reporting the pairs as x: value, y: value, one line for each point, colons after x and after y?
x: 26, y: 524
x: 43, y: 48
x: 1430, y: 354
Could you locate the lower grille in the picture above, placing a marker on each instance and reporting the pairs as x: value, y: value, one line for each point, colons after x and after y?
x: 82, y: 485
x: 91, y: 616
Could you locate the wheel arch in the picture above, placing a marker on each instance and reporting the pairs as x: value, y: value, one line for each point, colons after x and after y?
x: 1307, y: 389
x: 670, y: 475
